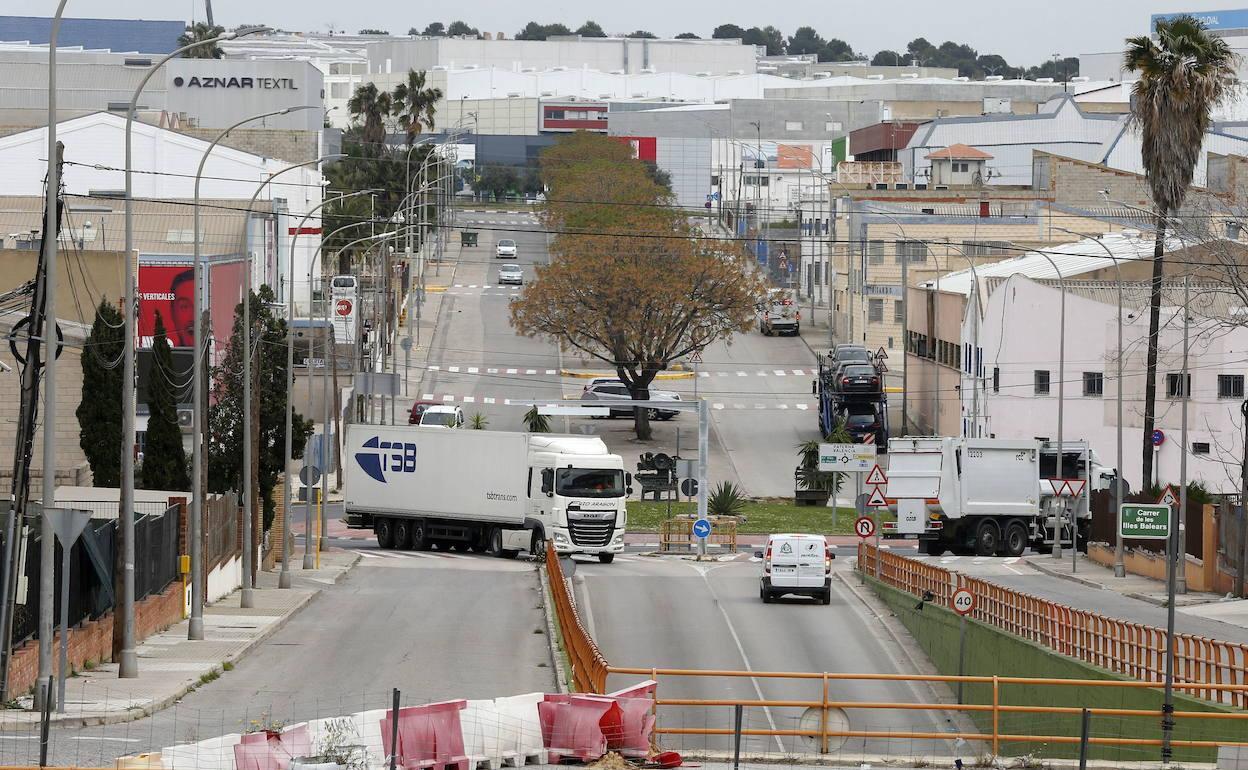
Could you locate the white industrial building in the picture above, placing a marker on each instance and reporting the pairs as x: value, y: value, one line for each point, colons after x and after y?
x: 165, y: 164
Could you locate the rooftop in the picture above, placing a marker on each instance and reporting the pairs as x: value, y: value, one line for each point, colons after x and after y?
x: 959, y: 152
x: 130, y: 35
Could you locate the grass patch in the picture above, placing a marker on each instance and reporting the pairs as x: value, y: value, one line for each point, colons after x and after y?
x: 227, y: 666
x: 211, y: 676
x: 761, y: 517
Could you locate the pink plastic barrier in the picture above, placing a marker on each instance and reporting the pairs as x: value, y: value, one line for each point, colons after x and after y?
x: 429, y: 736
x: 272, y: 750
x: 637, y: 722
x: 576, y: 726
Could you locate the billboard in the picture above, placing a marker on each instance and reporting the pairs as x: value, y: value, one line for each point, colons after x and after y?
x: 170, y: 291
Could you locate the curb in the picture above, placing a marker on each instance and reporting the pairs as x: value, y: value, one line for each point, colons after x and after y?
x: 556, y: 658
x: 588, y: 375
x: 1067, y: 576
x: 164, y: 703
x: 435, y: 289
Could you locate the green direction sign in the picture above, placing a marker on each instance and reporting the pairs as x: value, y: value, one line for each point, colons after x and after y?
x: 1144, y: 522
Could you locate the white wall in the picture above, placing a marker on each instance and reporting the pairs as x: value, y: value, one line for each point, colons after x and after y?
x: 1020, y: 335
x: 224, y: 580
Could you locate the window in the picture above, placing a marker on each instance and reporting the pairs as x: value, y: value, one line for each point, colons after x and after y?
x: 1230, y: 386
x: 759, y: 180
x: 911, y: 251
x: 1042, y: 382
x: 875, y: 252
x: 714, y: 180
x: 875, y: 310
x: 339, y: 90
x: 832, y: 126
x: 1178, y: 385
x: 1200, y: 447
x: 996, y: 380
x: 1093, y: 383
x: 792, y: 125
x: 986, y: 248
x: 899, y: 312
x: 961, y: 168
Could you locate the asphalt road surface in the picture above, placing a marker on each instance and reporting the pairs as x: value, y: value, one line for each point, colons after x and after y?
x: 436, y: 627
x: 673, y: 613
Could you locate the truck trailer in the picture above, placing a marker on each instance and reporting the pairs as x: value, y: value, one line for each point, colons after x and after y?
x: 491, y: 491
x: 992, y: 496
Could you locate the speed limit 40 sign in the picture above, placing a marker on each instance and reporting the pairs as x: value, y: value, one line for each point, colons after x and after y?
x: 963, y: 602
x: 864, y: 526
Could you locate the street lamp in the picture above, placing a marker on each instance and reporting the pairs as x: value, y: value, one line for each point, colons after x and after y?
x: 246, y: 595
x: 1061, y: 402
x: 195, y: 628
x: 129, y: 664
x: 1120, y: 569
x: 283, y: 580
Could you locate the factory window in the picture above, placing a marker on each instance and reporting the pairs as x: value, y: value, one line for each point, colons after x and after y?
x: 996, y: 379
x: 1176, y: 384
x: 911, y: 251
x: 792, y: 125
x: 1093, y: 384
x: 875, y: 252
x: 760, y: 180
x: 875, y: 310
x: 1200, y: 447
x: 1230, y: 386
x: 832, y: 126
x: 899, y: 311
x: 339, y: 90
x: 1042, y: 382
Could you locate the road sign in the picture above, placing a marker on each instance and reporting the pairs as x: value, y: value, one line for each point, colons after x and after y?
x: 1169, y: 497
x: 876, y: 500
x: 696, y: 356
x: 343, y: 307
x: 1159, y: 437
x: 689, y: 487
x: 876, y: 476
x: 881, y: 354
x: 963, y: 602
x: 406, y: 344
x: 309, y: 475
x: 846, y: 458
x: 702, y: 528
x: 864, y: 526
x: 1144, y: 522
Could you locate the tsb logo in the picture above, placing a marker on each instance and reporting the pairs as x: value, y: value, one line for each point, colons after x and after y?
x: 381, y: 457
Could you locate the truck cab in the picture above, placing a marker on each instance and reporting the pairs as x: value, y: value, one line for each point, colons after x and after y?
x: 578, y: 491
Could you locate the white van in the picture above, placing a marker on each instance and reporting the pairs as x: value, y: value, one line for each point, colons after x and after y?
x: 796, y: 564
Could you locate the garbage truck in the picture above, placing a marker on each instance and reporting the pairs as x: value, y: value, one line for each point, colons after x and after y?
x: 992, y: 496
x: 486, y: 491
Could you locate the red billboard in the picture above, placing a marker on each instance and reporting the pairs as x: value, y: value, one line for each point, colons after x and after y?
x: 169, y: 290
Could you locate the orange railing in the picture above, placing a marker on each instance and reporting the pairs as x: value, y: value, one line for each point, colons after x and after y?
x: 1130, y: 649
x: 589, y: 667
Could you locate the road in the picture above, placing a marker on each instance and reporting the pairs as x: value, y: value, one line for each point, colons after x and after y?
x: 387, y: 624
x: 681, y: 614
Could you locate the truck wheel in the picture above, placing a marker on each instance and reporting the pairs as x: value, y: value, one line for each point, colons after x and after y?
x: 606, y: 558
x: 987, y: 538
x: 403, y: 535
x: 537, y: 546
x: 385, y: 533
x: 418, y: 539
x: 494, y: 542
x: 1015, y: 538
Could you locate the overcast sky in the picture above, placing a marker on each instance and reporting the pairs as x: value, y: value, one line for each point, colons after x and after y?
x: 1022, y: 32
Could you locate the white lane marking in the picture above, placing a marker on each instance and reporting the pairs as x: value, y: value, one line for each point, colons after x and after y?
x: 760, y: 374
x: 487, y: 400
x: 738, y: 406
x: 453, y: 369
x: 779, y: 372
x: 511, y: 371
x: 551, y: 371
x: 473, y: 370
x: 803, y: 407
x: 427, y: 397
x: 530, y: 371
x: 760, y: 406
x: 799, y: 372
x: 784, y: 406
x: 368, y: 555
x: 470, y: 399
x: 491, y: 371
x: 506, y: 402
x: 704, y: 374
x: 434, y: 368
x: 723, y: 374
x: 1011, y: 560
x: 448, y: 399
x: 742, y: 374
x: 717, y: 405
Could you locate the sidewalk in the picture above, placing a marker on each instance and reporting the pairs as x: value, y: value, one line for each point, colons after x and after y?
x: 170, y: 665
x: 1134, y: 598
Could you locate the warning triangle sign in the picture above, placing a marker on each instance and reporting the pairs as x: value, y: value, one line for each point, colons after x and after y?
x: 877, y: 498
x: 876, y: 476
x: 1169, y: 497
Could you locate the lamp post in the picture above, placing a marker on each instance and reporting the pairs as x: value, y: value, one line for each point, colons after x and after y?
x: 1120, y: 569
x: 195, y: 628
x: 129, y: 664
x: 283, y: 580
x: 246, y: 595
x: 1061, y: 402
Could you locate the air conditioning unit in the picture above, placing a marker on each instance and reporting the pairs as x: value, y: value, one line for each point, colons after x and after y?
x: 185, y: 418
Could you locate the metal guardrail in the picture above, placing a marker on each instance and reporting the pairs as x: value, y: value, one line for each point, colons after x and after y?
x: 1208, y: 668
x: 589, y: 667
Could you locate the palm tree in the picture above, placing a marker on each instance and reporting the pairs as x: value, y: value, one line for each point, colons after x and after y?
x: 414, y: 104
x: 372, y: 107
x: 201, y: 31
x: 1183, y: 75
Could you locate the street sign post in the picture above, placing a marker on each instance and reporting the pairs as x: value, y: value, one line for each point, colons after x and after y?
x: 846, y: 458
x: 963, y: 603
x: 1144, y: 522
x: 689, y: 487
x: 876, y: 477
x: 67, y: 524
x: 877, y: 500
x: 864, y: 527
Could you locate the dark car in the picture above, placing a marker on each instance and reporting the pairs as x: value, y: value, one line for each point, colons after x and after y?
x: 858, y: 378
x: 852, y: 354
x: 418, y: 409
x: 861, y: 425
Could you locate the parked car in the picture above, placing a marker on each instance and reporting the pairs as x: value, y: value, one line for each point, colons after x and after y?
x: 419, y: 408
x: 506, y: 248
x: 800, y: 565
x: 616, y: 391
x: 512, y: 274
x: 852, y: 354
x: 857, y: 378
x: 861, y: 421
x: 779, y: 314
x: 442, y: 417
x: 598, y: 381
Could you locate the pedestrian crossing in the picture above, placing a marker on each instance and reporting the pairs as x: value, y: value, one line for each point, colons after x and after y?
x: 743, y: 404
x: 520, y: 371
x: 379, y: 556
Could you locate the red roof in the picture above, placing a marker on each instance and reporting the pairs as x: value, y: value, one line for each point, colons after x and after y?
x: 959, y: 152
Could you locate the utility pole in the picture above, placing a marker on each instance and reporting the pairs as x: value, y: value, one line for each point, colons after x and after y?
x: 1243, y: 508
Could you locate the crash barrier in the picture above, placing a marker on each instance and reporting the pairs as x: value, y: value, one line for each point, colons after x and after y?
x: 589, y: 667
x: 534, y: 728
x: 677, y: 534
x: 827, y: 723
x: 1210, y: 669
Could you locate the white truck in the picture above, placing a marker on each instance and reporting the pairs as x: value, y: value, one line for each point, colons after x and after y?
x: 992, y: 496
x: 490, y: 491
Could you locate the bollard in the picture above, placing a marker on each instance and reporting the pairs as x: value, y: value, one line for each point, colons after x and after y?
x: 394, y: 731
x: 736, y: 736
x: 1083, y: 739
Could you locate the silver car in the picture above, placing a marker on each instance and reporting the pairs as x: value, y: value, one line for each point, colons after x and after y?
x: 512, y: 274
x: 614, y: 390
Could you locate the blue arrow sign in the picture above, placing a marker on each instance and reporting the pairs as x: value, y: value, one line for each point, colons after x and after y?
x: 702, y: 528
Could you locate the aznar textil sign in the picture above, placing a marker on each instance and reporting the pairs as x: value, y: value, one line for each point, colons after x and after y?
x: 1220, y: 21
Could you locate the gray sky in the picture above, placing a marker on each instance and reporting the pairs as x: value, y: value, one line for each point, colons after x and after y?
x: 1022, y: 32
